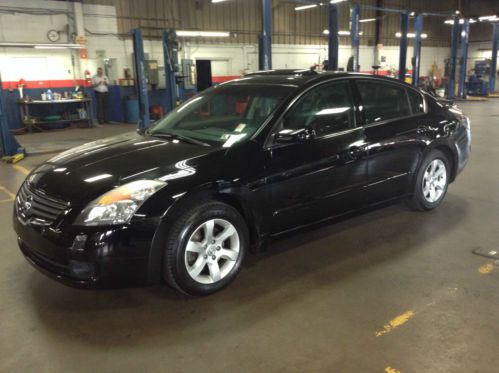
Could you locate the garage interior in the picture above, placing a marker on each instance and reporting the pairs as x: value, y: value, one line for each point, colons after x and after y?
x: 390, y: 290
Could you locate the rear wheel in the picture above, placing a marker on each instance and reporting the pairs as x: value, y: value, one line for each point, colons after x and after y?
x: 432, y: 182
x: 205, y: 249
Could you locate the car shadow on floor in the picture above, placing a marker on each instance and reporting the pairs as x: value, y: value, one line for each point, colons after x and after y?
x: 294, y: 267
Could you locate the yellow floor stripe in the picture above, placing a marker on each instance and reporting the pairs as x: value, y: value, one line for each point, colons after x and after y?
x: 391, y: 370
x: 486, y: 269
x: 21, y: 169
x: 8, y: 192
x: 395, y: 323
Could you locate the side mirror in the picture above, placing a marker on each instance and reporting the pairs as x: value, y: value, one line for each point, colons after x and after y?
x: 299, y: 135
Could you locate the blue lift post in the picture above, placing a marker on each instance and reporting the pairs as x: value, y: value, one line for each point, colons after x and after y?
x: 451, y: 91
x: 355, y: 36
x: 171, y: 82
x: 8, y: 143
x: 465, y: 33
x: 140, y: 79
x: 333, y: 48
x: 418, y: 30
x: 265, y: 39
x: 493, y: 62
x: 404, y: 29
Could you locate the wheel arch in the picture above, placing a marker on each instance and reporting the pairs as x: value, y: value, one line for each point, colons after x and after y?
x: 237, y: 197
x: 451, y: 157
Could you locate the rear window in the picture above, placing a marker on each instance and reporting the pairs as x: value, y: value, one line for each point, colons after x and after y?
x: 416, y: 101
x: 383, y: 101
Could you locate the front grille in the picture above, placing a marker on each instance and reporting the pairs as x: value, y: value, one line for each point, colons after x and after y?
x: 36, y: 207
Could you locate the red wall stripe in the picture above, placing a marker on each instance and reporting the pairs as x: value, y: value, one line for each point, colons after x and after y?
x: 46, y: 84
x: 221, y: 79
x: 82, y: 82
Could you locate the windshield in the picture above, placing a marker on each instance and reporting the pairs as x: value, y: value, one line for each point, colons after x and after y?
x: 223, y: 115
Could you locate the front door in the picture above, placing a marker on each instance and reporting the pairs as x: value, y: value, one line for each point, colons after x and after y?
x: 321, y: 175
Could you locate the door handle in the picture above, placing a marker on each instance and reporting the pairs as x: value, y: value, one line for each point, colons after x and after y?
x: 354, y: 153
x: 422, y: 130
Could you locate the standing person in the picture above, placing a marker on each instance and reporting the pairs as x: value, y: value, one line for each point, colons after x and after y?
x: 100, y: 84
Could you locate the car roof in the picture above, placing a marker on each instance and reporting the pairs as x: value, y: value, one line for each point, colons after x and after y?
x: 298, y: 78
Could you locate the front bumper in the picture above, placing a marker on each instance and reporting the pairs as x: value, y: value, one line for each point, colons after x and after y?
x: 89, y: 257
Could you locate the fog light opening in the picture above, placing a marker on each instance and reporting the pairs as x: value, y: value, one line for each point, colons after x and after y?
x: 79, y: 242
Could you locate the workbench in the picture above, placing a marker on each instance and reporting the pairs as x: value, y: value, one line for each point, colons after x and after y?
x: 31, y: 122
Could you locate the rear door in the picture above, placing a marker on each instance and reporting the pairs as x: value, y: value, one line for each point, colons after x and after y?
x: 394, y: 134
x: 323, y: 176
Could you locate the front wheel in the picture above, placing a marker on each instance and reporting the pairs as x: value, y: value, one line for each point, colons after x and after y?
x: 205, y: 249
x: 431, y: 182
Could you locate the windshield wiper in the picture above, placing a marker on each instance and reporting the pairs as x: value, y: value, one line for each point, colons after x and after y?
x: 176, y: 136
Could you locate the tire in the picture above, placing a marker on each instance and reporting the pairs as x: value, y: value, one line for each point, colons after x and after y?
x: 432, y: 182
x: 190, y: 245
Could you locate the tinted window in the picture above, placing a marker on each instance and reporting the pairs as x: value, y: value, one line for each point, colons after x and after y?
x: 326, y: 109
x: 383, y: 101
x: 416, y: 101
x: 225, y: 114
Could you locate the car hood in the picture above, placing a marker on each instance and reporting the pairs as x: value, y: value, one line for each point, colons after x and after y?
x: 87, y: 171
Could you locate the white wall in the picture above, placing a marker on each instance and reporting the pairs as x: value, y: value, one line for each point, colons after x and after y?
x: 480, y: 50
x: 228, y: 59
x: 32, y: 64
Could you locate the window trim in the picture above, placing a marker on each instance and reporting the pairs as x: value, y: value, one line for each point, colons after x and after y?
x: 425, y: 106
x: 405, y: 88
x: 269, y: 144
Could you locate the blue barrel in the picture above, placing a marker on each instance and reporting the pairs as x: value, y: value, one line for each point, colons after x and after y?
x: 132, y: 110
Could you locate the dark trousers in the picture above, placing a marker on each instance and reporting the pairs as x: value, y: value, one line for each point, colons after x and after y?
x: 102, y: 106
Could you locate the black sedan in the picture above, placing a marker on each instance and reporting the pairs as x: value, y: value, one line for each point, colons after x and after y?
x: 183, y: 202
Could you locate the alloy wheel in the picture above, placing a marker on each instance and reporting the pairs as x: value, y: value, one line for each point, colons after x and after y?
x: 212, y: 251
x: 434, y: 180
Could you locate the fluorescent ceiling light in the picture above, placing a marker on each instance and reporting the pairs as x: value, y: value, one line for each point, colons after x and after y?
x: 40, y: 45
x: 367, y: 20
x: 488, y: 18
x: 336, y: 1
x: 411, y: 35
x: 217, y: 1
x: 303, y: 7
x: 49, y: 47
x: 203, y: 34
x: 341, y: 32
x: 461, y: 21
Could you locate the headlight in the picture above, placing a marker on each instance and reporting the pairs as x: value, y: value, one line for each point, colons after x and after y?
x: 118, y: 205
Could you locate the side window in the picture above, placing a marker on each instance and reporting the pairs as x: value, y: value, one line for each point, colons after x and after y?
x: 326, y: 109
x: 416, y: 101
x: 383, y: 101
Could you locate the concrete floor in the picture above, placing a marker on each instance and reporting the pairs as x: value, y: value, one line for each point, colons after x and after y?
x: 388, y: 291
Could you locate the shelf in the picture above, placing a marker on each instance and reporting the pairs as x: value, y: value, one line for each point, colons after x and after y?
x: 41, y: 102
x: 55, y: 121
